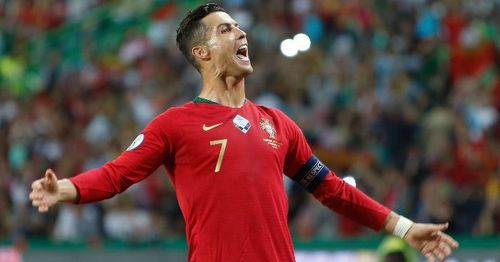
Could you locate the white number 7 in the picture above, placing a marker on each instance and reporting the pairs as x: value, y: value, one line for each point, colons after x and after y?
x: 223, y: 143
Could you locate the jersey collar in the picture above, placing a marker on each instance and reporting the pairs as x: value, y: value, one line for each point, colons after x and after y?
x: 206, y: 101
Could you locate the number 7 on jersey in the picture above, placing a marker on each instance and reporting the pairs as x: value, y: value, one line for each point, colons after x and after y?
x: 223, y: 143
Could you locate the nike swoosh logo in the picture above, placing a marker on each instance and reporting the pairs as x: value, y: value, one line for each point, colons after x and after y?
x: 206, y: 128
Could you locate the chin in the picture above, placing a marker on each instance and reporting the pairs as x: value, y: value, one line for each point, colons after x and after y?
x: 246, y: 71
x: 240, y: 70
x: 243, y: 66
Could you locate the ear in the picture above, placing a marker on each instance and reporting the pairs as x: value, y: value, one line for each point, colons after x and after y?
x: 201, y: 52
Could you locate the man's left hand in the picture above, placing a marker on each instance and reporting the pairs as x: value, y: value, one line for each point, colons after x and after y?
x: 431, y: 241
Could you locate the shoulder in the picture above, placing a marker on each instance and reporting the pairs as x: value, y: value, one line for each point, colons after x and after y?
x: 173, y: 113
x: 281, y: 120
x: 170, y: 117
x: 273, y: 112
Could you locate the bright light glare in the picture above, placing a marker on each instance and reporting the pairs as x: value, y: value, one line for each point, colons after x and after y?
x: 350, y: 180
x: 302, y: 41
x: 289, y: 48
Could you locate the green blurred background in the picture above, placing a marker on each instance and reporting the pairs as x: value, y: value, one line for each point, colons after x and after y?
x: 404, y: 96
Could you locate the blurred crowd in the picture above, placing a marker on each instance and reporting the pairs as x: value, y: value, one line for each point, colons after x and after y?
x: 402, y: 95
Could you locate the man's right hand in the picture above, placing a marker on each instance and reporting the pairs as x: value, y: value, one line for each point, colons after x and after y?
x: 48, y: 191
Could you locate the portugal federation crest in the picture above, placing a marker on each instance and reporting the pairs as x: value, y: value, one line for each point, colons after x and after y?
x: 268, y: 126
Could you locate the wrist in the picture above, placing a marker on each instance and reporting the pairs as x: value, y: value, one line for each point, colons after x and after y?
x: 402, y: 227
x: 66, y: 191
x: 397, y: 225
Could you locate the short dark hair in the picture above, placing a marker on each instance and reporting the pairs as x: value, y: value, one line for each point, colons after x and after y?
x: 192, y: 31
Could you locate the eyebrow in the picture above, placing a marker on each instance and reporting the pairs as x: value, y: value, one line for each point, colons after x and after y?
x: 228, y: 24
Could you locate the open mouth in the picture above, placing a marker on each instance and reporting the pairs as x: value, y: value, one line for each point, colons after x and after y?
x: 242, y: 53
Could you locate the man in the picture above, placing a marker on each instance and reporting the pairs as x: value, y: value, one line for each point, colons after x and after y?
x: 226, y: 157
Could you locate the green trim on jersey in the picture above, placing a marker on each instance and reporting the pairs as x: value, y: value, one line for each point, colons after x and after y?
x: 203, y: 100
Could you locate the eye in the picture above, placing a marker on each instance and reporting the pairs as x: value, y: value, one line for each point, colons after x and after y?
x: 225, y: 29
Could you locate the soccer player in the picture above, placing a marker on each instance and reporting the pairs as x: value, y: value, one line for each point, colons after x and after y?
x: 226, y: 157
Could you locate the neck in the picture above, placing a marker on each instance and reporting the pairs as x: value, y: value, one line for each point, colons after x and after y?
x: 227, y: 91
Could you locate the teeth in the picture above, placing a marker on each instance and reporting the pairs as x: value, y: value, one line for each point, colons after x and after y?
x: 243, y: 47
x: 242, y: 53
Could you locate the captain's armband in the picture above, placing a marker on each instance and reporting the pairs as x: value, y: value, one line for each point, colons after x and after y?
x: 311, y: 174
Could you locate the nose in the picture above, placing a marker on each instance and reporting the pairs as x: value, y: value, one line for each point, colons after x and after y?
x: 241, y: 34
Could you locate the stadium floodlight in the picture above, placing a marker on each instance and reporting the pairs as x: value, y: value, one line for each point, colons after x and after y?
x: 299, y: 43
x: 302, y: 41
x: 289, y: 48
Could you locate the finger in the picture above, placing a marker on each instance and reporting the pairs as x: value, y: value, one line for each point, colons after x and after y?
x: 34, y: 195
x: 430, y: 257
x: 439, y: 254
x: 449, y: 240
x: 47, y: 180
x: 36, y: 203
x: 439, y: 227
x: 43, y: 207
x: 430, y: 246
x: 445, y: 248
x: 39, y: 203
x: 50, y: 180
x: 37, y: 185
x: 50, y: 175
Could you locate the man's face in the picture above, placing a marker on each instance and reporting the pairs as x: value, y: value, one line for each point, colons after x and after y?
x: 227, y: 45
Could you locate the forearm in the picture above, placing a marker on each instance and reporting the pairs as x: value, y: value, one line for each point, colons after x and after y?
x: 67, y: 191
x: 119, y: 174
x: 337, y: 195
x: 96, y: 185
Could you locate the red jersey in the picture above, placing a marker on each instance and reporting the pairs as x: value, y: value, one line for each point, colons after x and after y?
x: 227, y: 167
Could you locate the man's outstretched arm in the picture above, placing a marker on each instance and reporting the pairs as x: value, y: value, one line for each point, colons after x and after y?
x: 347, y: 200
x: 304, y: 168
x: 147, y: 153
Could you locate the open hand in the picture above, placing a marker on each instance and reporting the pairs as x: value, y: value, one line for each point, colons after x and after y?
x: 45, y: 191
x: 430, y: 240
